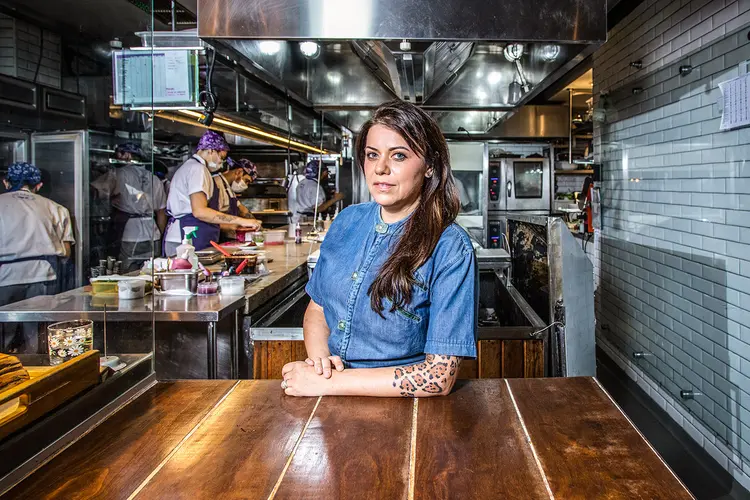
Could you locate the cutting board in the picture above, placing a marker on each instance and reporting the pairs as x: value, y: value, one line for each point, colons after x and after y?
x: 47, y: 388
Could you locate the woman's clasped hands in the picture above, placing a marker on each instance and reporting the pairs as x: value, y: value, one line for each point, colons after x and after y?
x: 311, y: 377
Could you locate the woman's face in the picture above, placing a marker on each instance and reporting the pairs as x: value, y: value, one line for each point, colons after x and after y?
x: 394, y: 172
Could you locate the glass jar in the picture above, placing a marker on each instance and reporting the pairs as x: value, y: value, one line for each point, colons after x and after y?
x: 69, y: 339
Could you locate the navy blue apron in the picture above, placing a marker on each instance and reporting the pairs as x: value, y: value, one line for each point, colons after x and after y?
x: 207, y: 232
x: 234, y: 208
x: 58, y: 265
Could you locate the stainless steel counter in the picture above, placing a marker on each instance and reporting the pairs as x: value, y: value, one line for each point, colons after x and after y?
x: 289, y: 264
x: 80, y: 304
x: 188, y: 326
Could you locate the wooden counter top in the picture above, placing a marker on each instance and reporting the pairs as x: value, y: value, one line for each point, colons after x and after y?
x: 519, y: 438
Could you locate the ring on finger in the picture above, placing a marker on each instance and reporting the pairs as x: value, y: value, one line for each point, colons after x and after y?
x: 284, y: 385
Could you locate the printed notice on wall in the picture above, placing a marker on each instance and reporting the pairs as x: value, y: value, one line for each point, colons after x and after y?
x: 736, y: 98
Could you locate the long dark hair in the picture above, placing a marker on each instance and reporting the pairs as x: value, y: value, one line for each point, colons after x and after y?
x: 438, y: 207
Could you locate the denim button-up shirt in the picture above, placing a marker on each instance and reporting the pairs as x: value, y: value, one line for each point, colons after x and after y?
x: 441, y: 318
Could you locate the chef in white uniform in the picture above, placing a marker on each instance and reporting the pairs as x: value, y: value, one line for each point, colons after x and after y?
x: 36, y: 235
x: 194, y: 199
x: 139, y: 205
x: 310, y: 193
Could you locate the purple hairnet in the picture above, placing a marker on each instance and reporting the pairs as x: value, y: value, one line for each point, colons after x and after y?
x: 248, y: 166
x: 129, y: 147
x: 311, y: 169
x: 212, y: 140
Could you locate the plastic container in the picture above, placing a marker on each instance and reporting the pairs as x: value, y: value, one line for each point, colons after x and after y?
x: 275, y: 237
x: 104, y: 287
x: 232, y: 285
x: 208, y: 288
x: 236, y: 259
x: 131, y: 289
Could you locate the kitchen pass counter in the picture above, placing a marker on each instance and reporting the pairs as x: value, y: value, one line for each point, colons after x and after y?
x: 289, y: 264
x: 517, y: 438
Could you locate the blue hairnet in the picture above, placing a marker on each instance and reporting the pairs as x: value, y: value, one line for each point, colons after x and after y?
x: 22, y: 174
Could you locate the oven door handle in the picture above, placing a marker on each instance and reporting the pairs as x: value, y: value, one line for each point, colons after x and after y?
x: 509, y: 189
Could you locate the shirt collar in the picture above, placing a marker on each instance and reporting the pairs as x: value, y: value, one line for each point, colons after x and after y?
x: 197, y: 157
x: 384, y: 228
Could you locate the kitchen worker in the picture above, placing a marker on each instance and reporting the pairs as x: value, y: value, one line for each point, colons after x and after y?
x: 233, y: 180
x: 36, y: 235
x: 194, y: 200
x: 393, y: 305
x: 310, y: 192
x: 139, y: 205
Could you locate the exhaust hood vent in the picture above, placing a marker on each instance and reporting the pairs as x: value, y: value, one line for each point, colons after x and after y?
x: 448, y: 56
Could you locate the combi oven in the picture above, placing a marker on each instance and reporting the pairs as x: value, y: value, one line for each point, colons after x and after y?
x: 519, y: 184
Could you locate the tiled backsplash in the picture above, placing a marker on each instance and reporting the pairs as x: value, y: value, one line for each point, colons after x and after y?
x: 674, y: 260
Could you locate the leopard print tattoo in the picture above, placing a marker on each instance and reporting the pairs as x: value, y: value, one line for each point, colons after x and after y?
x: 432, y: 376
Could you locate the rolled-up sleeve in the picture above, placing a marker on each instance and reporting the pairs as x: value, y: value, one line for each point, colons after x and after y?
x: 314, y: 286
x: 453, y: 308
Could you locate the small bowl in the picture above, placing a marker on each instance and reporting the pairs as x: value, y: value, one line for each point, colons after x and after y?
x: 208, y: 288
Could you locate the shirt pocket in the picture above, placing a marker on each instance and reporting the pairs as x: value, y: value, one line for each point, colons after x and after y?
x: 418, y: 309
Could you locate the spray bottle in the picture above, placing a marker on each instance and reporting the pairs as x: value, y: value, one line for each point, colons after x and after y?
x: 186, y: 250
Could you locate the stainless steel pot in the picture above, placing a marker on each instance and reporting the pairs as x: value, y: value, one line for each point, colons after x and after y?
x: 179, y: 280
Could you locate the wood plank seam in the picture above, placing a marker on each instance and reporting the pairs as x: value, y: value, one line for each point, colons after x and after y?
x: 531, y: 445
x: 291, y: 455
x: 182, y: 442
x: 413, y: 449
x: 643, y: 437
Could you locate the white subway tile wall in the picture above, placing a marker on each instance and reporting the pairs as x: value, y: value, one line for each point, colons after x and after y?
x: 20, y: 48
x: 569, y: 183
x: 674, y: 250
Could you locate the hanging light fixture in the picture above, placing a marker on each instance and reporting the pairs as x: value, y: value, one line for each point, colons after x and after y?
x: 513, y: 52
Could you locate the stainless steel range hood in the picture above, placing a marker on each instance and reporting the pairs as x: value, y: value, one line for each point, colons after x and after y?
x: 521, y: 20
x: 459, y: 62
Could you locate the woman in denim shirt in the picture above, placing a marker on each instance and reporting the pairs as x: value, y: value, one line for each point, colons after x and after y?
x: 394, y: 291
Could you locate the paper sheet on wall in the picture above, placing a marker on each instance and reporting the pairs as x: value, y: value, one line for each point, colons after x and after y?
x: 736, y: 97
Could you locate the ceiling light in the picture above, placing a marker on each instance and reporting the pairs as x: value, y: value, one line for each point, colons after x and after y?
x: 269, y: 47
x: 228, y: 125
x: 550, y: 52
x: 309, y: 49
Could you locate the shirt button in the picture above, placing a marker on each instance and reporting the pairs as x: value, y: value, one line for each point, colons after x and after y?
x: 354, y: 275
x: 381, y: 228
x: 342, y: 325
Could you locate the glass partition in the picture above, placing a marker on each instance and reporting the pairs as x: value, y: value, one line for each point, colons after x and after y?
x: 81, y: 217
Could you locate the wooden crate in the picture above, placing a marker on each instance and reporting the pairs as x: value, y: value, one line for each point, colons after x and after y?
x: 48, y: 388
